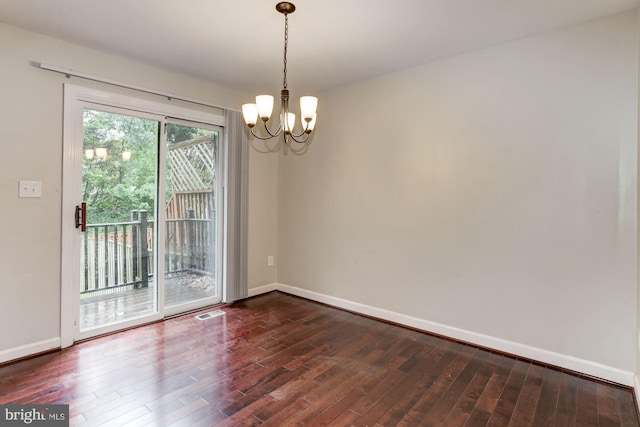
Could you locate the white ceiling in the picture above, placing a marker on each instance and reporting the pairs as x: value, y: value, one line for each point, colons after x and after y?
x: 332, y: 42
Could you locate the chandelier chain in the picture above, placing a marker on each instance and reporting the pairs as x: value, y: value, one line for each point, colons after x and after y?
x: 286, y: 42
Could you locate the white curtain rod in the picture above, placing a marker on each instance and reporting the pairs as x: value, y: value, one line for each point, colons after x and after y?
x: 69, y: 72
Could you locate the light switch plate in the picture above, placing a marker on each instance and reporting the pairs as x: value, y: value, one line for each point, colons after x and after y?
x: 30, y: 189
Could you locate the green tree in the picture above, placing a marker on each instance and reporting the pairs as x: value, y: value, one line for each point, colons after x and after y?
x: 112, y: 186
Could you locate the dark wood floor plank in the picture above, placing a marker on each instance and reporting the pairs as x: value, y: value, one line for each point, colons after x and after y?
x: 304, y: 380
x: 177, y: 417
x: 527, y: 404
x: 126, y: 417
x: 245, y: 415
x: 333, y: 412
x: 263, y: 387
x: 207, y: 415
x: 455, y: 382
x: 156, y: 413
x: 608, y: 411
x: 626, y: 406
x: 490, y: 396
x: 437, y: 380
x: 548, y: 400
x: 278, y: 360
x: 462, y: 409
x: 88, y: 402
x: 375, y: 389
x: 325, y: 400
x: 388, y: 392
x: 291, y: 404
x: 501, y: 415
x: 587, y: 405
x: 567, y: 402
x: 346, y: 419
x: 477, y: 418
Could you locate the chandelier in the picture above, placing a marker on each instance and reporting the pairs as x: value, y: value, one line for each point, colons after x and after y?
x: 263, y: 107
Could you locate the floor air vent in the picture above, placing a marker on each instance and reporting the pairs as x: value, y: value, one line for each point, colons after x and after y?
x: 210, y: 314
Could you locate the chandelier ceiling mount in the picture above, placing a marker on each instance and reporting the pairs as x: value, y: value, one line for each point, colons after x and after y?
x: 286, y: 7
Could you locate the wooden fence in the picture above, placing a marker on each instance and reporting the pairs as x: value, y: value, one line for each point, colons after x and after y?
x: 119, y: 256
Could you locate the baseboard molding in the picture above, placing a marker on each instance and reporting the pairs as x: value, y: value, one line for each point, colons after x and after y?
x: 563, y: 361
x: 636, y: 392
x: 29, y: 350
x: 264, y: 289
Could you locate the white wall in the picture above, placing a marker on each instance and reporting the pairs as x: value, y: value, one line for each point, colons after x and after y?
x: 263, y: 218
x: 31, y: 137
x: 493, y: 192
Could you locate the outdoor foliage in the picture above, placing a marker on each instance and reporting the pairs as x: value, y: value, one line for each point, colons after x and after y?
x: 113, y: 187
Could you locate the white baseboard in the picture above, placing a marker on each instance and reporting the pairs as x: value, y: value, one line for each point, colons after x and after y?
x: 264, y: 289
x: 564, y: 361
x: 636, y: 390
x: 29, y: 349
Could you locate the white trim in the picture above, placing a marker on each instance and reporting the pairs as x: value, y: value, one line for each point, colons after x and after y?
x: 159, y: 226
x: 264, y: 289
x: 69, y: 308
x: 559, y: 360
x: 636, y: 391
x: 29, y: 349
x: 120, y: 326
x: 110, y: 99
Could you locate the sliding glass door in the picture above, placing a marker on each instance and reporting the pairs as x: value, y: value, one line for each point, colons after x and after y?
x: 191, y: 254
x: 118, y: 229
x: 143, y: 238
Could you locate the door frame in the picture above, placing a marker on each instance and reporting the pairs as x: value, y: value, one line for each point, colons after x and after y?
x: 75, y: 98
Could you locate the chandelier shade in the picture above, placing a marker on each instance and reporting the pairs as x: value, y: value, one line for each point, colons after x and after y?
x: 265, y: 106
x: 262, y: 109
x: 308, y: 106
x: 250, y: 114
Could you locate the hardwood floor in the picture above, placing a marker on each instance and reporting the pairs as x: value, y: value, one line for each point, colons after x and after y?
x: 278, y: 360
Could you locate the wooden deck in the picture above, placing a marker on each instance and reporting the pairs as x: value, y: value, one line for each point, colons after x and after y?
x: 277, y: 360
x: 115, y: 307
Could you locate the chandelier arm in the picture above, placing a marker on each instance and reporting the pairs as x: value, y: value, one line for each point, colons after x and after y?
x: 264, y: 138
x: 304, y: 131
x: 273, y: 134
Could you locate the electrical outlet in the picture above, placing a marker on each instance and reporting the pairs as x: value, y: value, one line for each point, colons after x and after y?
x: 270, y: 261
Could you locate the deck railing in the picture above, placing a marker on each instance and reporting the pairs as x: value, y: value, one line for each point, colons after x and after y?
x: 119, y: 256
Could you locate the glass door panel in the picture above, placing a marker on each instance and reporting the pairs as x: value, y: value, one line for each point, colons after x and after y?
x: 191, y: 219
x: 119, y: 187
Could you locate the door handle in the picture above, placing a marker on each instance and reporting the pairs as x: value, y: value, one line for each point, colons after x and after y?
x: 81, y: 217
